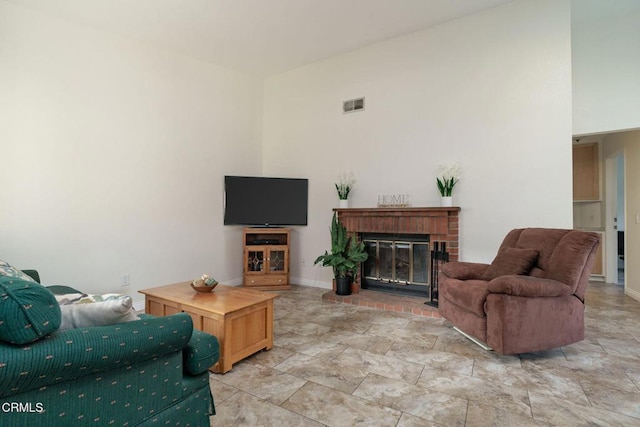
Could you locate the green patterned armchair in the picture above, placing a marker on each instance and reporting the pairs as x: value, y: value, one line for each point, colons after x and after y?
x: 151, y: 371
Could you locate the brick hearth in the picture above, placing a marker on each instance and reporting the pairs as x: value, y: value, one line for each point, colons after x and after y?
x: 384, y: 301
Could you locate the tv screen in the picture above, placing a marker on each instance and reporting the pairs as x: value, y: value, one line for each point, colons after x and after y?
x: 259, y: 201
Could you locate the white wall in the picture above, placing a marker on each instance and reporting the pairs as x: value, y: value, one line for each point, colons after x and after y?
x: 629, y: 144
x: 606, y: 98
x: 606, y: 66
x: 491, y: 91
x: 113, y: 156
x: 114, y: 153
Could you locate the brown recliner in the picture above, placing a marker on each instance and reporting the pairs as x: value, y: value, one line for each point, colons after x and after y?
x: 530, y: 298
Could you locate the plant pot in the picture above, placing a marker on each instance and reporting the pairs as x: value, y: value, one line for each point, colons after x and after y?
x: 344, y: 203
x: 446, y: 201
x: 343, y: 285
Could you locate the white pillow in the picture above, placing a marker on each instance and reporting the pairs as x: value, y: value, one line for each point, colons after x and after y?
x: 97, y: 313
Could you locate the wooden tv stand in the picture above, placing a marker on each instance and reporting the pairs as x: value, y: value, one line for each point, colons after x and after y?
x: 266, y: 258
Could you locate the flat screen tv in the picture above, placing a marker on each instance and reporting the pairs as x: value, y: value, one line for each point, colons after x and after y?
x: 265, y: 202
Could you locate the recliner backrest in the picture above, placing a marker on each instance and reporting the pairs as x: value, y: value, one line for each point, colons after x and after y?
x: 564, y: 255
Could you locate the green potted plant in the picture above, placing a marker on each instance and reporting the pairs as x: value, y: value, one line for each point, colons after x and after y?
x: 345, y: 184
x: 449, y: 177
x: 346, y: 253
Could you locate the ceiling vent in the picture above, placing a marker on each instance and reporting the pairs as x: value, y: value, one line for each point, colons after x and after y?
x: 353, y: 105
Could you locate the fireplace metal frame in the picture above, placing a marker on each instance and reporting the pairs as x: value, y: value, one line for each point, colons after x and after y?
x: 393, y: 284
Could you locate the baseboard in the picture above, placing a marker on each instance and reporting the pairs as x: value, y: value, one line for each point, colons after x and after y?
x: 233, y: 282
x: 632, y: 293
x: 139, y: 306
x: 313, y: 283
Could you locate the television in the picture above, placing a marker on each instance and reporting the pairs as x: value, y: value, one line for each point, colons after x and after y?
x: 265, y: 202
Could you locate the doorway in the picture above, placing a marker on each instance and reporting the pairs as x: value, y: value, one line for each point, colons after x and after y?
x: 606, y: 212
x: 615, y: 218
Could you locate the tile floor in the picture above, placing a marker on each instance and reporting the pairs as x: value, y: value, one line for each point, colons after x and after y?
x: 339, y: 364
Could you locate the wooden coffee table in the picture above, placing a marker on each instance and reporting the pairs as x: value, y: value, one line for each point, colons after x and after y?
x: 241, y: 319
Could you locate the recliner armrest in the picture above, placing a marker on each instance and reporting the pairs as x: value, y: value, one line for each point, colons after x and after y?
x: 464, y: 270
x: 527, y: 286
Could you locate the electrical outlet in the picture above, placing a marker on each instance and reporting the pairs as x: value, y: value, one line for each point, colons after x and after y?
x: 125, y: 280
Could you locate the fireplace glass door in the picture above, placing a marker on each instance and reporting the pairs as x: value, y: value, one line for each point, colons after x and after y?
x: 396, y: 263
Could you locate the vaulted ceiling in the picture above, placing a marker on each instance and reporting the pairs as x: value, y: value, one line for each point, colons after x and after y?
x: 266, y: 37
x: 262, y: 37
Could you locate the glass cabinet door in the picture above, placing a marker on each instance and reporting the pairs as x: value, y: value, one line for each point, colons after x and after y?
x: 277, y: 260
x: 255, y: 260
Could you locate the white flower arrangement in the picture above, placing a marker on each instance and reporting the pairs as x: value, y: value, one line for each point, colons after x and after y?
x: 448, y: 177
x: 345, y: 183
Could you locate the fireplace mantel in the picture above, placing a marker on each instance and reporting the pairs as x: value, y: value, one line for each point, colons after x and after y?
x: 400, y: 210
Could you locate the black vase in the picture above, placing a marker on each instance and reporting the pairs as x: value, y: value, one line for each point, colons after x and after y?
x: 343, y: 285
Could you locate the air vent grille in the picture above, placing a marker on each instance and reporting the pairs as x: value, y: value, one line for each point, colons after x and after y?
x: 353, y: 105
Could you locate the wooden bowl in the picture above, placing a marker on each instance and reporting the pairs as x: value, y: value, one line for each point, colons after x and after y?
x: 203, y: 288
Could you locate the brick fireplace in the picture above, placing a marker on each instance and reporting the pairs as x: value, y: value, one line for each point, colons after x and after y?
x: 431, y: 225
